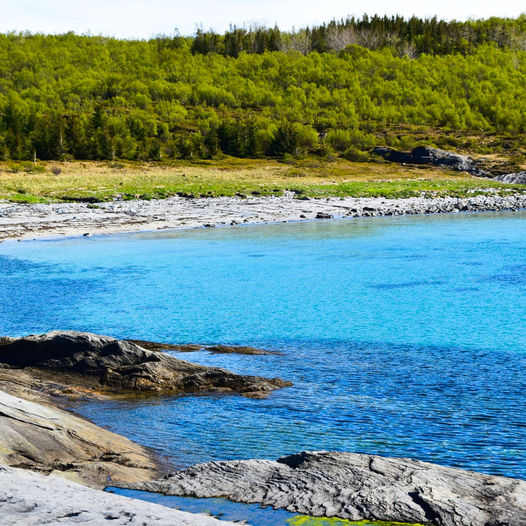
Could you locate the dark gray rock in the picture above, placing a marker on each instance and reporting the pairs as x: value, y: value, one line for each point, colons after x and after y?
x: 434, y: 157
x: 357, y: 487
x: 104, y: 363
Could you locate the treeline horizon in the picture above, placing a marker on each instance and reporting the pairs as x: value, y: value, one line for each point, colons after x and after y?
x: 408, y: 36
x: 87, y: 97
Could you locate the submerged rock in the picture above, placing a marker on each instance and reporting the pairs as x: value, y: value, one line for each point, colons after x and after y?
x: 107, y: 364
x: 46, y: 439
x: 236, y: 349
x: 357, y: 487
x: 193, y: 347
x: 33, y: 499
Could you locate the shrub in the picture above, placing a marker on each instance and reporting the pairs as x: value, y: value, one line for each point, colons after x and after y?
x: 355, y: 155
x: 340, y: 140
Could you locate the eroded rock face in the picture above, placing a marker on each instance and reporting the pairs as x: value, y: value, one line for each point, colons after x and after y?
x: 33, y: 499
x: 358, y: 487
x: 104, y: 363
x: 46, y: 439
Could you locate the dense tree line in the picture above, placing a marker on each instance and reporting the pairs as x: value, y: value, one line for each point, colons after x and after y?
x: 412, y: 36
x: 83, y: 97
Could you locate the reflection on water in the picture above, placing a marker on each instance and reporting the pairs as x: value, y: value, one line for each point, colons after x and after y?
x: 403, y: 336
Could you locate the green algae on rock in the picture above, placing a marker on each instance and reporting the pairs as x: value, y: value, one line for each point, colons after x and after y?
x: 307, y: 520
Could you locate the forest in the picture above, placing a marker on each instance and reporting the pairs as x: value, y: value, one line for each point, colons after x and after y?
x: 350, y: 86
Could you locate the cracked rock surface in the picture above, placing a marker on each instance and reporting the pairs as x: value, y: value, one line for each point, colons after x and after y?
x: 354, y: 486
x: 31, y: 499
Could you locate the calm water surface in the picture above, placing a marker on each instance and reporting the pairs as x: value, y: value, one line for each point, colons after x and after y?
x: 403, y: 336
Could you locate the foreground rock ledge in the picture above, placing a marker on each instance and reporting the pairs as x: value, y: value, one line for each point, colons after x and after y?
x: 357, y: 487
x: 46, y: 439
x: 106, y: 364
x: 32, y: 499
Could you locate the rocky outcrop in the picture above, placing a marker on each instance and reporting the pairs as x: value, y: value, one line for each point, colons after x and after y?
x: 445, y: 159
x: 106, y: 364
x: 358, y: 487
x: 46, y: 439
x: 434, y: 157
x: 33, y: 499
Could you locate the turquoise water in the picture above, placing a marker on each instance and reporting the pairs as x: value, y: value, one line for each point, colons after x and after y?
x: 403, y: 336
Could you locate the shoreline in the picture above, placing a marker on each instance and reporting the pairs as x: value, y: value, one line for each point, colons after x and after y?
x: 396, y: 489
x: 57, y: 220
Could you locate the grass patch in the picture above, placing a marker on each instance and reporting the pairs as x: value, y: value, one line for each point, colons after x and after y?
x: 102, y: 181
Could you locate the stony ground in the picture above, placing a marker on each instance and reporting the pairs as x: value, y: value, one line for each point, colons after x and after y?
x: 38, y: 371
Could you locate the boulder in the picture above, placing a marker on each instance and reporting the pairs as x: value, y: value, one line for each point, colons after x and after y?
x: 106, y: 364
x: 357, y: 487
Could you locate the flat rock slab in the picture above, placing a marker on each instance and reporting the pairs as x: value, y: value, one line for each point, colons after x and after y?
x: 33, y: 499
x: 107, y: 364
x: 357, y: 487
x: 47, y: 439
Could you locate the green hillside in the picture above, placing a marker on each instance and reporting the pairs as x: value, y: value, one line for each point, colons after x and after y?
x: 82, y: 97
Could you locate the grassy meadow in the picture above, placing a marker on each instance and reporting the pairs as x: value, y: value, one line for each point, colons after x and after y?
x: 95, y: 181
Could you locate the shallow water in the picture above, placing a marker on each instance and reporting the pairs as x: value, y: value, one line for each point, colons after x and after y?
x: 254, y: 514
x: 403, y: 336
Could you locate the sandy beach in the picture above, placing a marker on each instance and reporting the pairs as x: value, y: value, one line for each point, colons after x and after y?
x: 32, y: 221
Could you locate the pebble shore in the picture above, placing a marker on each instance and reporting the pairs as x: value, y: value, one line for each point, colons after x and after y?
x: 30, y: 221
